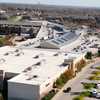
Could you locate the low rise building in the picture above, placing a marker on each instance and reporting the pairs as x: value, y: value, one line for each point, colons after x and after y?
x: 31, y: 73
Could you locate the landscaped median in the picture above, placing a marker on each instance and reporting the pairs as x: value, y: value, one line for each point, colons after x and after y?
x: 95, y: 74
x: 82, y: 95
x: 63, y: 79
x: 86, y: 93
x: 98, y: 67
x: 89, y: 85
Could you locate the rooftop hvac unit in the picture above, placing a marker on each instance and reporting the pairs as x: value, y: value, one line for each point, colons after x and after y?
x: 30, y: 77
x: 38, y: 64
x: 2, y: 60
x: 43, y: 61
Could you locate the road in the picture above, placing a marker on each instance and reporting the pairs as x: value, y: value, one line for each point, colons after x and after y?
x: 75, y: 83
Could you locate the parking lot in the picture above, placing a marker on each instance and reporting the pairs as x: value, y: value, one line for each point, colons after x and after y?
x: 76, y: 84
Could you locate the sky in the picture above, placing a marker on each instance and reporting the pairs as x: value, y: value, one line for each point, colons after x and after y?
x: 88, y: 3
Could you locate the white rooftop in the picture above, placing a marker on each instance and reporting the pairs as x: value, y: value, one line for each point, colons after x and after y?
x: 34, y: 66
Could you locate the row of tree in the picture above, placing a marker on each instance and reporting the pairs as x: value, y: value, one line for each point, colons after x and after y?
x: 89, y: 55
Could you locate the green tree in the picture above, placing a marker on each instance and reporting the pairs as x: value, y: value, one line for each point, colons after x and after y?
x: 98, y: 54
x: 88, y: 55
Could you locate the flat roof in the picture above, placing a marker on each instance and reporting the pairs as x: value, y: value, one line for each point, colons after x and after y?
x: 34, y: 66
x: 16, y: 60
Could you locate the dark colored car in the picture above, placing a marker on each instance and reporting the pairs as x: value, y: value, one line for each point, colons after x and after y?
x: 67, y: 90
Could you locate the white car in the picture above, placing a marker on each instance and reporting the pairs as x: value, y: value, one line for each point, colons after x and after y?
x: 94, y: 92
x: 98, y: 95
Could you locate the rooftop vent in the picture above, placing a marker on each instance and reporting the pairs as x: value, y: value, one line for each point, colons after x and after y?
x: 56, y: 54
x: 2, y: 60
x: 63, y: 65
x: 25, y: 71
x: 32, y: 77
x: 17, y: 50
x: 6, y: 54
x: 38, y: 64
x: 29, y: 78
x: 36, y: 57
x: 19, y: 54
x: 28, y: 69
x: 66, y: 54
x: 10, y: 52
x: 41, y: 55
x: 35, y: 76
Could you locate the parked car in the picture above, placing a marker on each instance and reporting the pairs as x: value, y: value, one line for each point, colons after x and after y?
x: 67, y: 90
x: 98, y: 85
x: 94, y: 92
x: 98, y: 95
x: 92, y: 66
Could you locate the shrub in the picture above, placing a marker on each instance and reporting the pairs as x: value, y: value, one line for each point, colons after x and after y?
x: 88, y: 55
x: 63, y: 78
x: 78, y: 98
x: 98, y: 68
x: 89, y: 85
x: 59, y: 83
x: 98, y: 54
x: 82, y: 95
x: 86, y: 94
x: 94, y: 78
x: 80, y: 65
x: 96, y: 73
x: 49, y: 95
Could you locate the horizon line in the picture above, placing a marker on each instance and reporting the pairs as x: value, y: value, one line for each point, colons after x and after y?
x: 45, y: 4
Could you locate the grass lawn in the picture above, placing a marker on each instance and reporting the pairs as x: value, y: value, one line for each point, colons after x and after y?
x: 15, y: 18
